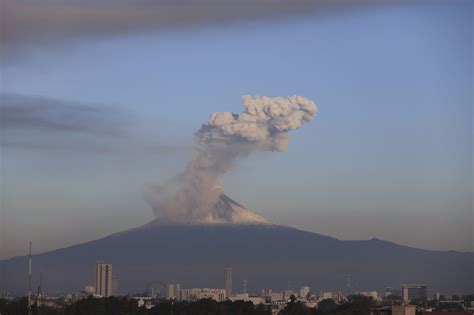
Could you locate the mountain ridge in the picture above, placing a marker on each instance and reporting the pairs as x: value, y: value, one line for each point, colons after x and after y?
x: 267, y: 255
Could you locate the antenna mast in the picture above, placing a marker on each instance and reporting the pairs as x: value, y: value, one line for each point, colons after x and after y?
x: 29, y: 282
x: 348, y: 283
x: 40, y: 289
x: 245, y: 283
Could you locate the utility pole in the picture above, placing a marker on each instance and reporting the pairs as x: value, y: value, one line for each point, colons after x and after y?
x: 29, y: 283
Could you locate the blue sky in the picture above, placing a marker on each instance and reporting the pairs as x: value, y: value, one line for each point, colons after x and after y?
x: 388, y: 156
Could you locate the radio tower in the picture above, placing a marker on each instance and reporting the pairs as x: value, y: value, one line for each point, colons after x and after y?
x: 29, y: 283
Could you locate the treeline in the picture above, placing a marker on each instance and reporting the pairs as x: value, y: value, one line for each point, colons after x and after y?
x: 357, y: 305
x: 124, y: 306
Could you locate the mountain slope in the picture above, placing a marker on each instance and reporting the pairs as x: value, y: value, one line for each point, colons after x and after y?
x: 264, y: 254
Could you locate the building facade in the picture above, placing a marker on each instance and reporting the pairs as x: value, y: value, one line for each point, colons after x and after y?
x: 201, y: 293
x: 172, y: 291
x: 403, y: 310
x: 412, y: 292
x: 103, y: 279
x: 304, y: 291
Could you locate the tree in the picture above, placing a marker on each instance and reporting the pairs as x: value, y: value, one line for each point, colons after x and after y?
x: 326, y: 306
x: 263, y: 310
x: 294, y: 307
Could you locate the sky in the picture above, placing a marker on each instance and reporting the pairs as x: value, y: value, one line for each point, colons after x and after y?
x: 90, y: 120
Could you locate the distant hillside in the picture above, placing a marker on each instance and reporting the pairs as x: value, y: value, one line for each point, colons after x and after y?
x: 266, y: 255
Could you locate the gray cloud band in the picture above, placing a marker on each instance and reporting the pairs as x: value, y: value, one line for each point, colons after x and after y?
x: 48, y: 114
x: 40, y: 20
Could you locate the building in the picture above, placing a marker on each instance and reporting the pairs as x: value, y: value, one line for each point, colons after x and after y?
x: 287, y: 294
x: 371, y: 294
x: 403, y: 310
x: 337, y: 297
x: 325, y: 295
x: 201, y: 293
x: 412, y: 292
x: 256, y: 300
x: 228, y: 281
x: 239, y: 297
x: 304, y: 291
x: 172, y: 291
x: 275, y: 296
x: 89, y: 289
x: 103, y: 279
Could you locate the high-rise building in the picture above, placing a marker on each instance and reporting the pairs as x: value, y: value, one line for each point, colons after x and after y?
x: 103, y: 279
x: 228, y: 281
x: 412, y: 292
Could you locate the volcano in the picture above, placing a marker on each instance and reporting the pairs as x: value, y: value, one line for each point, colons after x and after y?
x: 224, y: 211
x: 264, y: 254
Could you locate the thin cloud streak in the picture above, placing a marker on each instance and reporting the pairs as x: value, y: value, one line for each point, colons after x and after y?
x: 44, y: 20
x: 43, y: 123
x: 49, y: 114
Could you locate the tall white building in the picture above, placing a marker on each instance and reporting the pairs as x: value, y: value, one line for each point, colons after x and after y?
x: 103, y: 279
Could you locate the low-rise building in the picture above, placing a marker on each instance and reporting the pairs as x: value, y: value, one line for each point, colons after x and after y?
x: 196, y: 294
x: 304, y: 292
x: 403, y: 310
x: 89, y: 289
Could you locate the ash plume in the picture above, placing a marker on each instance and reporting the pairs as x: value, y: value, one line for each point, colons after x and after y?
x: 226, y: 137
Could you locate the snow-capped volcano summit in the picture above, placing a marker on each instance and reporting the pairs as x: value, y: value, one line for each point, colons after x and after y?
x: 224, y: 211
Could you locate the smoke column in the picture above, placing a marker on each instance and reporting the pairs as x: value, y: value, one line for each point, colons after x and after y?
x: 226, y: 137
